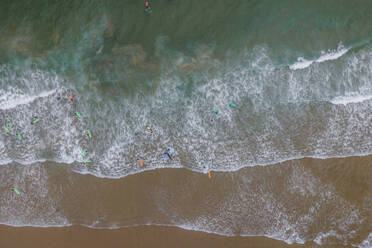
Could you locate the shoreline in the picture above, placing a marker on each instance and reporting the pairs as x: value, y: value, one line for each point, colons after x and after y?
x: 140, y: 236
x: 165, y: 195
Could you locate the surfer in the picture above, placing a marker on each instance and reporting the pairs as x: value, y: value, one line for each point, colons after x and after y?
x: 78, y: 114
x: 215, y: 112
x: 16, y: 191
x: 167, y: 154
x: 85, y: 152
x: 147, y: 7
x: 149, y: 129
x: 35, y: 121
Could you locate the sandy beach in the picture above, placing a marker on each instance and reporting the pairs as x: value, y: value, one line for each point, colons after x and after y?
x: 157, y: 196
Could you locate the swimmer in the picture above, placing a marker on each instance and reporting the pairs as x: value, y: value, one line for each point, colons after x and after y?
x: 147, y: 6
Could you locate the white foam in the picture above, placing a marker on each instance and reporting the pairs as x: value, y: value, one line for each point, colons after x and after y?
x: 344, y: 100
x: 332, y: 55
x: 22, y: 86
x: 301, y: 64
x: 70, y: 160
x: 325, y: 56
x: 367, y: 243
x: 66, y: 224
x: 196, y: 137
x: 99, y: 50
x: 215, y: 92
x: 319, y: 239
x: 15, y: 100
x: 193, y: 136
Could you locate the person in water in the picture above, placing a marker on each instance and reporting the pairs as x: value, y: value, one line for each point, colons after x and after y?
x: 170, y: 150
x: 36, y: 120
x: 167, y: 154
x: 147, y: 6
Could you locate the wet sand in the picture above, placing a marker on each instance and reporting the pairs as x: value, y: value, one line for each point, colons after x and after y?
x: 134, y: 237
x: 228, y: 202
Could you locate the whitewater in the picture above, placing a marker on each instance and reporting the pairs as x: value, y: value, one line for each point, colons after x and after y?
x: 187, y: 125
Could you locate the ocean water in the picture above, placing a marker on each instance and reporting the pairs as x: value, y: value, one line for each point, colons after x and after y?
x: 299, y: 73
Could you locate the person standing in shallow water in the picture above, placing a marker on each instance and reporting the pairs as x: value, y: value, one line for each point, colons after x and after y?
x: 165, y: 154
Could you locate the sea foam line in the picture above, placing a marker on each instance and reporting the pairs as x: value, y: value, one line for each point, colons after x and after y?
x: 344, y: 100
x: 36, y: 226
x: 330, y: 55
x: 24, y: 100
x: 100, y: 175
x: 181, y: 226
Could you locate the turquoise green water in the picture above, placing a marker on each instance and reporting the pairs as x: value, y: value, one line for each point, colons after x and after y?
x: 286, y: 65
x: 66, y: 36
